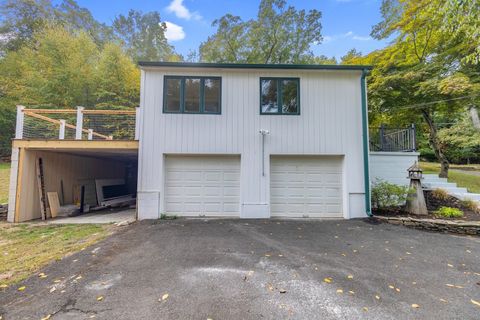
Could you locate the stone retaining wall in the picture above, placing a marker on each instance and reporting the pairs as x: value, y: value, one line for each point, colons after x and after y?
x: 438, y: 225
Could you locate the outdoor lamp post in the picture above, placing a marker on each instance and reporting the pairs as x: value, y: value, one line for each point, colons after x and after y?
x: 416, y: 200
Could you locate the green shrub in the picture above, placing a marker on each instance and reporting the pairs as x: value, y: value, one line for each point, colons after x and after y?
x: 448, y: 212
x: 165, y: 216
x: 388, y: 195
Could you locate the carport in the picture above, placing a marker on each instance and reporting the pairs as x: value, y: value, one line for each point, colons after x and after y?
x: 103, y: 170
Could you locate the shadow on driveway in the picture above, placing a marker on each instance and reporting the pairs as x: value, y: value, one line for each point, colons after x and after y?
x: 254, y: 269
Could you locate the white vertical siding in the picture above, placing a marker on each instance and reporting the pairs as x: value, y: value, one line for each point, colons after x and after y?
x: 329, y: 123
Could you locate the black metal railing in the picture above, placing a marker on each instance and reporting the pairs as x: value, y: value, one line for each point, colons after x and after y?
x: 393, y: 139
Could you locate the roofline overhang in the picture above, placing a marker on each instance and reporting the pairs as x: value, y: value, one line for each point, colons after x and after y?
x: 155, y: 64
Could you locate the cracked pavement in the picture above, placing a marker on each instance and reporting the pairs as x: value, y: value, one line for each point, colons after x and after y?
x: 258, y: 269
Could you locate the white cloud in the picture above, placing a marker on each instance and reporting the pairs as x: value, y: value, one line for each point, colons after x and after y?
x: 174, y: 32
x: 360, y: 38
x: 347, y: 35
x: 178, y: 8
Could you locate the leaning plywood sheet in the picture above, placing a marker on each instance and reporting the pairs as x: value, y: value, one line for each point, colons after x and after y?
x: 54, y: 203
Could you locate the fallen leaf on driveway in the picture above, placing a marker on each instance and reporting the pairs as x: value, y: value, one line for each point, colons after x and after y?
x: 468, y: 251
x: 42, y: 275
x: 351, y: 292
x: 339, y: 291
x: 414, y: 305
x: 165, y: 297
x: 47, y: 317
x: 349, y: 276
x: 397, y: 289
x: 443, y: 300
x: 391, y: 287
x: 450, y: 265
x: 475, y: 302
x: 327, y: 280
x: 3, y: 286
x: 267, y: 255
x: 22, y: 288
x: 377, y: 297
x: 52, y: 289
x: 99, y: 298
x: 365, y: 309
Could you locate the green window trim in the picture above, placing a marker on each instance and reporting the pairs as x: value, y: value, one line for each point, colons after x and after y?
x: 279, y: 96
x: 182, y: 94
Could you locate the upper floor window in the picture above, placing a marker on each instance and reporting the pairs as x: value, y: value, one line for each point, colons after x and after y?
x: 280, y: 96
x: 192, y: 94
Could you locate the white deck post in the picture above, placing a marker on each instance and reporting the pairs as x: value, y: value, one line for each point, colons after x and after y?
x: 61, y: 132
x: 20, y: 121
x: 79, y: 128
x: 137, y: 123
x: 90, y: 134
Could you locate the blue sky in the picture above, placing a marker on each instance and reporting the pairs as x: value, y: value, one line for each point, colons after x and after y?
x: 346, y: 23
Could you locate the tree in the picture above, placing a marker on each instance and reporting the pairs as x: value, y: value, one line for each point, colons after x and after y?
x: 423, y: 71
x: 143, y: 36
x: 117, y: 78
x: 279, y: 34
x: 22, y: 18
x: 350, y: 56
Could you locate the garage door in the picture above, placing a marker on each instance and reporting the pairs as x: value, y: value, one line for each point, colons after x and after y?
x: 303, y: 186
x: 202, y: 185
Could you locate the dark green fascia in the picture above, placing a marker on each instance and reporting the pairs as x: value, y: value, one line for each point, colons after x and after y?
x: 253, y: 66
x: 366, y: 153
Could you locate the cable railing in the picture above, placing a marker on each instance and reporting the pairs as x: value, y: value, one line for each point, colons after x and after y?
x: 76, y: 124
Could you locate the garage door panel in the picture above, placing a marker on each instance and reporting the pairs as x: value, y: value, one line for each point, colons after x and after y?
x: 306, y: 186
x: 202, y: 185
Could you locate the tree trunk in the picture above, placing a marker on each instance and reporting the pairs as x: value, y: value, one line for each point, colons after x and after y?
x: 435, y: 144
x: 474, y: 116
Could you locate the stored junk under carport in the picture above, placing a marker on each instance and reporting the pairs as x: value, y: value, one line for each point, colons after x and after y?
x: 84, y: 170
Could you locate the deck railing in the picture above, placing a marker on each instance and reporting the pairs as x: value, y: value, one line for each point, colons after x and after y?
x: 77, y: 124
x: 393, y: 139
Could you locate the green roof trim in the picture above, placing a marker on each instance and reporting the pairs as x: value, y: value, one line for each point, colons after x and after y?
x: 254, y: 66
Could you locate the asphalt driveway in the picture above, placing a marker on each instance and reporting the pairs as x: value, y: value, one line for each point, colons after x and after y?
x: 238, y: 269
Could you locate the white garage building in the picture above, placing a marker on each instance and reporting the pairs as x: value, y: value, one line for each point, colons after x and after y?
x: 253, y: 141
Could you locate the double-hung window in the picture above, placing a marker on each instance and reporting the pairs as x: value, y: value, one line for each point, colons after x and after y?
x: 182, y: 94
x: 280, y: 96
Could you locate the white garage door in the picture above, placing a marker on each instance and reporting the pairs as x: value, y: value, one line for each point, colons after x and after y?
x: 306, y: 186
x: 202, y: 185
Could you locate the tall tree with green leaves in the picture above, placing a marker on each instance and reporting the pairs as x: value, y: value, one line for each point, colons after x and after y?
x: 279, y: 34
x: 117, y: 78
x: 143, y: 36
x: 22, y: 18
x: 423, y: 72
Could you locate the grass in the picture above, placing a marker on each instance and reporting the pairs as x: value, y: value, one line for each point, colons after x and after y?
x: 465, y: 180
x: 26, y: 248
x: 4, y: 181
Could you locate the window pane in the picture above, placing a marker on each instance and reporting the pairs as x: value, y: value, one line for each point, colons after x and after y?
x: 289, y: 96
x: 172, y: 95
x: 269, y: 102
x: 192, y: 95
x: 212, y: 95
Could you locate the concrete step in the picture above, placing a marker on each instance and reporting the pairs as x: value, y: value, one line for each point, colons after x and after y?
x: 433, y: 177
x: 466, y: 195
x: 439, y: 185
